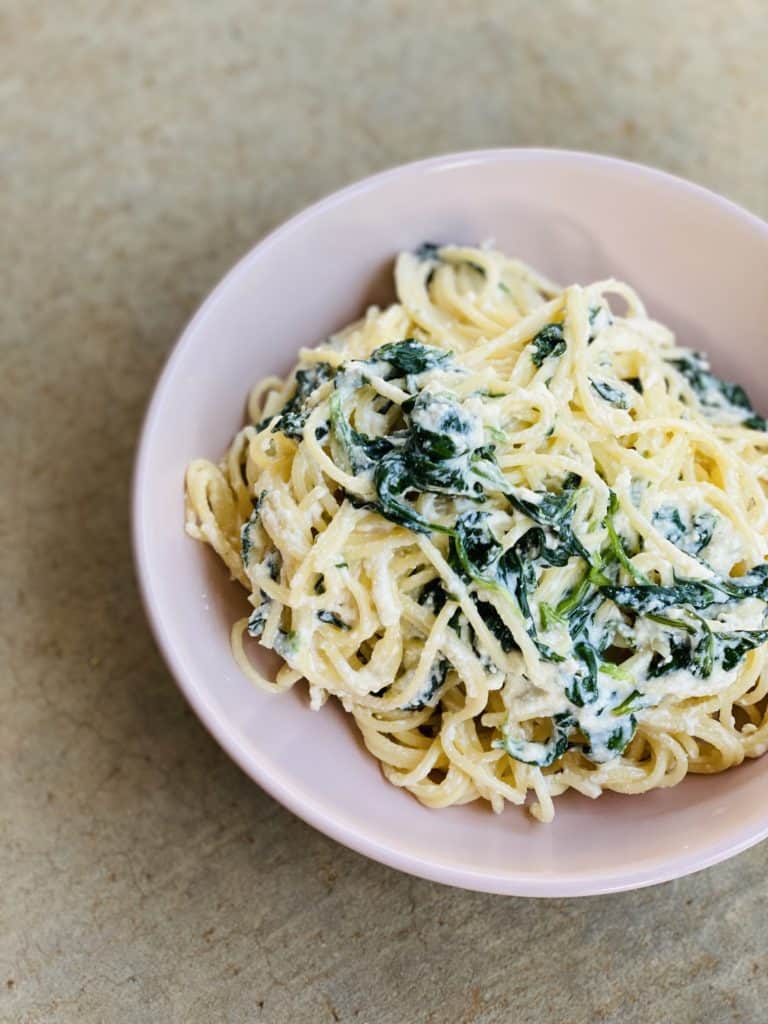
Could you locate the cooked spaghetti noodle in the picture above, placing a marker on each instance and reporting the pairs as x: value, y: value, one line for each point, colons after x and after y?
x: 520, y: 536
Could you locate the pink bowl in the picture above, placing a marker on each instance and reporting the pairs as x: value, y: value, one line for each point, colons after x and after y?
x: 697, y: 259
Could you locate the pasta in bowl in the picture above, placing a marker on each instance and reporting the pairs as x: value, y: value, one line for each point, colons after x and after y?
x: 515, y: 529
x: 697, y: 262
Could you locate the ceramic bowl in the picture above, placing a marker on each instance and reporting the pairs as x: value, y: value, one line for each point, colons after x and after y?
x: 698, y: 261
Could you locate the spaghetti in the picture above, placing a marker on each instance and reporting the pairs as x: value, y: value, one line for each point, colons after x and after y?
x: 520, y: 537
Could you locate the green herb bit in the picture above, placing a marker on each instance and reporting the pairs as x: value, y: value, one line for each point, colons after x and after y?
x: 634, y: 702
x: 585, y: 687
x: 333, y: 619
x: 691, y: 537
x: 697, y: 594
x: 732, y: 647
x: 295, y: 413
x: 549, y: 343
x: 258, y: 617
x: 616, y: 544
x: 286, y: 643
x: 428, y: 251
x: 435, y: 680
x: 393, y: 478
x: 617, y: 742
x: 615, y: 672
x: 411, y: 357
x: 610, y: 394
x: 550, y: 616
x: 541, y: 754
x: 715, y: 394
x: 498, y: 435
x: 355, y: 451
x: 569, y: 603
x: 666, y: 620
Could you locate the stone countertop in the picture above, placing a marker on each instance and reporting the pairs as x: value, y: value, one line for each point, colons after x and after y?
x: 144, y: 147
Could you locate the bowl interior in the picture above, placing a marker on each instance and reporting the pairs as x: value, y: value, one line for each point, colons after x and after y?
x: 697, y: 260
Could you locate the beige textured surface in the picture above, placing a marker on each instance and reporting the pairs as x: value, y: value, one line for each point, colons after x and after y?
x: 143, y: 146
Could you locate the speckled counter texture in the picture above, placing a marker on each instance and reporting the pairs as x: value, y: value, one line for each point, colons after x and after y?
x: 144, y: 145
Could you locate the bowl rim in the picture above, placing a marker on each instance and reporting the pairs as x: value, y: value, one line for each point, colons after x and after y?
x: 514, y: 882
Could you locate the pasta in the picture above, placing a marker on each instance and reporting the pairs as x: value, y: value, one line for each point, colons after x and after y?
x: 516, y: 530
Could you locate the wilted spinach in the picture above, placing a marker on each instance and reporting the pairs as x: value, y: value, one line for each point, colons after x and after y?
x: 295, y: 413
x: 541, y: 754
x: 333, y: 619
x: 351, y: 449
x: 715, y: 394
x: 610, y: 394
x: 435, y: 680
x: 547, y: 344
x: 690, y: 537
x: 410, y: 357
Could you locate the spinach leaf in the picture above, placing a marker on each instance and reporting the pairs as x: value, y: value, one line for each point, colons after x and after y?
x: 616, y: 544
x: 610, y: 394
x: 410, y: 357
x: 541, y: 754
x: 454, y: 477
x: 351, y: 449
x: 441, y: 429
x: 634, y: 702
x: 691, y: 537
x: 428, y: 251
x: 602, y: 716
x: 585, y: 687
x: 532, y: 546
x: 477, y: 556
x: 698, y: 594
x: 730, y: 648
x: 666, y: 620
x: 287, y: 643
x: 476, y: 549
x: 433, y: 684
x: 450, y: 459
x: 580, y: 604
x: 599, y: 318
x: 246, y: 530
x: 669, y: 523
x: 295, y: 412
x: 333, y: 619
x: 548, y: 343
x: 273, y: 563
x: 392, y: 479
x: 636, y: 383
x: 681, y: 656
x: 648, y: 597
x: 550, y: 616
x: 694, y: 650
x: 608, y: 743
x: 546, y: 508
x: 554, y: 512
x: 495, y: 624
x: 433, y: 596
x: 258, y: 617
x: 697, y: 649
x: 752, y: 584
x: 714, y: 394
